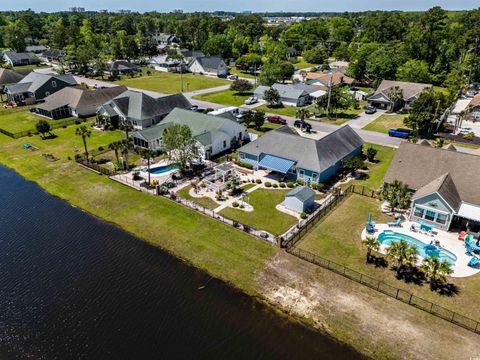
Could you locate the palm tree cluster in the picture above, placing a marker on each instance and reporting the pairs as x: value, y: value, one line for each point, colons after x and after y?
x: 396, y: 194
x: 405, y: 256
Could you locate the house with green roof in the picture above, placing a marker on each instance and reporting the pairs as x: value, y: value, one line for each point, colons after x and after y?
x: 214, y: 134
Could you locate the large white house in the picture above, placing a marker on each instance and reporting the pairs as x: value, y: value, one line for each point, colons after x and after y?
x: 214, y: 134
x: 208, y: 65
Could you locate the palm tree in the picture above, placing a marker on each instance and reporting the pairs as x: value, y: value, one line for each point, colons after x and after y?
x: 127, y: 127
x: 436, y: 270
x: 115, y: 146
x: 402, y: 254
x: 125, y: 147
x: 303, y: 113
x: 372, y: 244
x: 148, y: 155
x: 397, y: 194
x: 84, y: 132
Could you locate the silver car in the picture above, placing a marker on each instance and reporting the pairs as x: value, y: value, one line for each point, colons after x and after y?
x: 251, y: 100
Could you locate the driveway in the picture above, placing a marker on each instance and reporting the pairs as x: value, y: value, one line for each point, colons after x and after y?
x: 364, y: 119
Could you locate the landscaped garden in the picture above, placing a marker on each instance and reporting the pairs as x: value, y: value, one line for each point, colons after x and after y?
x: 264, y: 216
x: 386, y: 122
x: 203, y: 201
x: 338, y: 238
x: 170, y: 83
x: 225, y: 97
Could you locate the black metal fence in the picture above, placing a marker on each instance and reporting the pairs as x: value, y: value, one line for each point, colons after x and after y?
x: 396, y: 293
x: 98, y: 168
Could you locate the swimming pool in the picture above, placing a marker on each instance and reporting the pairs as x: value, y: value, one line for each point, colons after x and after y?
x: 387, y: 237
x: 162, y: 169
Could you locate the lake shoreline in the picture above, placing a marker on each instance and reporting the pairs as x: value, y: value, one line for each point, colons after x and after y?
x: 290, y: 316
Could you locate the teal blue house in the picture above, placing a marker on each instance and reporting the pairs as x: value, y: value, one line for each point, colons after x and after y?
x: 313, y: 161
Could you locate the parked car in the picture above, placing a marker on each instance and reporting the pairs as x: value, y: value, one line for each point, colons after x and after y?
x: 251, y: 100
x: 301, y: 123
x: 197, y: 108
x: 370, y: 109
x: 222, y: 76
x: 471, y: 93
x: 275, y: 119
x: 465, y: 130
x: 233, y: 77
x: 400, y: 133
x: 169, y: 185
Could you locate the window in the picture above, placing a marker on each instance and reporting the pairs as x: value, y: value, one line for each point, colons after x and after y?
x: 242, y: 156
x: 430, y: 215
x: 314, y: 177
x: 224, y: 144
x: 419, y: 212
x: 442, y: 218
x: 301, y: 173
x: 54, y: 84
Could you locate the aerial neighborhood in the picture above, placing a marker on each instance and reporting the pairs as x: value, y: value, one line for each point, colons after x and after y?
x: 349, y: 142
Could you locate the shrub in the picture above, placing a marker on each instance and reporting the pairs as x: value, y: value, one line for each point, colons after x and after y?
x: 235, y: 204
x: 242, y: 206
x: 258, y: 181
x: 283, y: 185
x: 300, y: 182
x: 77, y: 122
x: 101, y: 148
x: 69, y: 158
x: 275, y: 185
x: 318, y: 186
x: 469, y: 136
x: 371, y: 152
x: 303, y: 215
x: 290, y: 184
x: 268, y: 184
x: 78, y: 157
x: 245, y: 165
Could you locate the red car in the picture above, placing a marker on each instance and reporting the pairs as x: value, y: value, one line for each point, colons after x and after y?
x: 275, y: 119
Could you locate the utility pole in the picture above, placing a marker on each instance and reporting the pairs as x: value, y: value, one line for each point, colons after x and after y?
x: 181, y: 75
x: 329, y: 95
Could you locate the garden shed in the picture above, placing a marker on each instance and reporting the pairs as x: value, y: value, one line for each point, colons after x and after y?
x: 300, y: 199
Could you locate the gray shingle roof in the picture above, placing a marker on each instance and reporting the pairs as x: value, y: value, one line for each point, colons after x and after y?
x: 14, y: 56
x: 287, y: 91
x: 210, y: 63
x: 417, y: 166
x: 9, y: 76
x: 444, y: 186
x: 302, y: 193
x: 138, y: 106
x: 310, y: 154
x: 33, y: 81
x: 409, y: 89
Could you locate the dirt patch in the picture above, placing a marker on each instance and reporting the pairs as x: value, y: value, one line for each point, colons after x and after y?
x: 375, y: 324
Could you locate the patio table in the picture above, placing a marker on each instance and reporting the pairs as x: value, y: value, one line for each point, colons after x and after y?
x: 426, y: 227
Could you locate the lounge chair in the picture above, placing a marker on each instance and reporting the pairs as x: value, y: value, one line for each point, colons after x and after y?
x: 474, y: 263
x: 461, y: 235
x: 395, y: 223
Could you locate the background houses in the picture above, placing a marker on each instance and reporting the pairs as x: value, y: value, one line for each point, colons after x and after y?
x: 14, y: 58
x: 215, y: 134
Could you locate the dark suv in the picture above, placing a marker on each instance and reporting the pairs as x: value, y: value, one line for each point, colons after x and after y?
x: 369, y: 109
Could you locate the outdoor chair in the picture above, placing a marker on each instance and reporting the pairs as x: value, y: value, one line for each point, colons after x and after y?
x: 396, y: 223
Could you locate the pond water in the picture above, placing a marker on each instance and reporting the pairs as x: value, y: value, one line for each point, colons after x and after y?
x: 75, y: 287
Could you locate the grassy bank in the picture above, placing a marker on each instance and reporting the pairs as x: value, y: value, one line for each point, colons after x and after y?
x: 386, y: 122
x: 224, y: 252
x: 226, y: 97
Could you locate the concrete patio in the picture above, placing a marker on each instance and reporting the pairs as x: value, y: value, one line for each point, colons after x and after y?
x: 448, y: 241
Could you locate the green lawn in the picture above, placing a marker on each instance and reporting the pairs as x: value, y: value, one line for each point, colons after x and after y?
x: 20, y: 119
x: 290, y: 111
x: 302, y: 64
x: 265, y: 216
x: 247, y: 186
x: 267, y: 126
x: 204, y: 201
x: 234, y: 71
x: 224, y: 252
x: 337, y: 238
x: 386, y: 122
x: 226, y: 97
x: 31, y: 67
x: 377, y: 171
x: 466, y: 145
x: 169, y: 83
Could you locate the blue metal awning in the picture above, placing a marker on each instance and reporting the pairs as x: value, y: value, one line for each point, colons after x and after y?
x: 276, y: 164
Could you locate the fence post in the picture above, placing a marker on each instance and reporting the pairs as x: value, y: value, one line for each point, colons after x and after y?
x: 410, y: 300
x: 396, y: 296
x: 476, y: 327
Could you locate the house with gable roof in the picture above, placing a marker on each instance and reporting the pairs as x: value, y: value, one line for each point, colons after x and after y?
x: 384, y: 97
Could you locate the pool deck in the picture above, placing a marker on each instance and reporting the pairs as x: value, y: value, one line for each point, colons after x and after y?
x: 448, y: 241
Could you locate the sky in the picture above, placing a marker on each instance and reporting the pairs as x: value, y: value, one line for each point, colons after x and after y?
x: 239, y: 5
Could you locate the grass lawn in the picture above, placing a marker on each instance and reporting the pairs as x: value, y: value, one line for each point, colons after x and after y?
x: 302, y: 64
x: 337, y: 238
x: 377, y: 170
x: 31, y: 67
x: 234, y: 71
x: 169, y: 83
x: 265, y: 216
x: 226, y: 97
x: 224, y: 252
x: 20, y: 119
x: 386, y: 122
x: 466, y: 145
x: 247, y: 186
x: 204, y: 201
x: 290, y: 111
x: 264, y: 129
